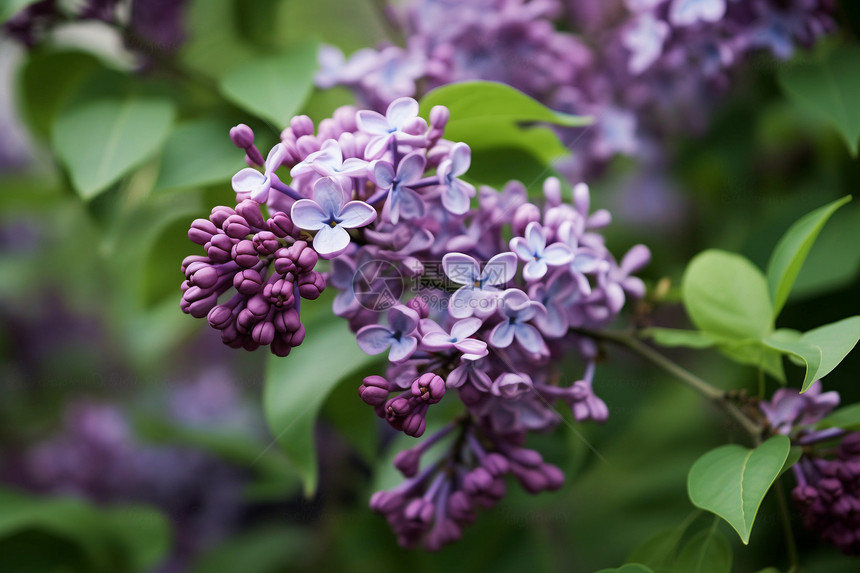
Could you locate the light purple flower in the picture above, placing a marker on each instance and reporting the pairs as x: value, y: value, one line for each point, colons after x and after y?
x: 556, y: 296
x: 394, y: 73
x: 620, y: 280
x: 329, y: 162
x: 472, y: 371
x: 688, y: 12
x: 789, y: 408
x: 375, y: 339
x: 400, y: 114
x: 250, y: 183
x: 538, y: 256
x: 334, y: 68
x: 584, y: 259
x: 401, y: 198
x: 644, y: 38
x: 456, y: 193
x: 511, y: 385
x: 517, y: 309
x: 435, y: 339
x: 479, y: 286
x: 342, y: 277
x: 330, y: 215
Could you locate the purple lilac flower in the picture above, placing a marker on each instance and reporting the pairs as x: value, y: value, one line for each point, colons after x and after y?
x: 251, y: 184
x: 473, y: 329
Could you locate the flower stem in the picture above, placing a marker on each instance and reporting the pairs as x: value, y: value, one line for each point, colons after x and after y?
x: 786, y: 528
x: 706, y: 389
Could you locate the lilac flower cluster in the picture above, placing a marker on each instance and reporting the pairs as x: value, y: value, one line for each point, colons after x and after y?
x: 433, y: 279
x: 828, y: 486
x: 97, y: 456
x: 631, y: 64
x: 150, y: 23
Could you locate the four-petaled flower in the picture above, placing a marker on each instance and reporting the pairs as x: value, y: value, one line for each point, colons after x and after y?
x: 329, y: 162
x: 689, y: 12
x: 556, y: 296
x: 456, y: 193
x: 251, y: 184
x: 479, y: 286
x: 533, y: 249
x: 330, y: 215
x: 401, y: 113
x: 402, y: 200
x: 435, y: 339
x: 511, y: 384
x: 584, y: 260
x: 375, y: 338
x: 517, y: 309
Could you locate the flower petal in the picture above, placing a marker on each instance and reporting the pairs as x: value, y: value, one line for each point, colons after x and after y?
x: 472, y: 347
x: 436, y: 341
x: 356, y: 214
x: 353, y: 167
x: 500, y: 269
x: 463, y: 302
x: 502, y: 335
x: 373, y: 339
x: 275, y: 158
x: 529, y: 337
x: 331, y: 241
x: 371, y: 122
x: 402, y: 319
x: 557, y: 254
x: 377, y: 146
x: 411, y: 168
x: 465, y: 328
x: 521, y: 247
x: 306, y: 214
x: 454, y: 200
x: 460, y: 268
x: 329, y: 195
x: 535, y: 238
x: 461, y: 158
x: 411, y: 205
x: 402, y: 349
x: 401, y: 111
x: 247, y: 180
x: 382, y: 174
x: 534, y: 270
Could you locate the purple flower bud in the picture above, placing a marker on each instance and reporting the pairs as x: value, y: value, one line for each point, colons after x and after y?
x: 201, y: 307
x: 201, y: 231
x: 477, y: 481
x: 258, y: 305
x: 374, y: 390
x: 280, y: 293
x: 419, y: 510
x: 287, y: 321
x: 311, y: 285
x: 298, y: 336
x: 219, y: 214
x: 284, y: 264
x: 281, y: 225
x: 245, y: 254
x: 302, y: 125
x: 250, y: 211
x: 307, y: 258
x: 236, y: 227
x: 439, y: 116
x: 204, y: 277
x: 266, y: 243
x: 263, y: 333
x: 248, y: 282
x: 496, y: 464
x: 220, y: 316
x: 429, y: 387
x: 385, y: 501
x: 460, y: 507
x: 850, y: 446
x: 415, y: 424
x: 219, y: 248
x: 419, y: 305
x: 245, y: 321
x: 532, y: 480
x: 407, y: 461
x: 554, y: 476
x: 526, y: 457
x: 242, y: 136
x: 525, y: 214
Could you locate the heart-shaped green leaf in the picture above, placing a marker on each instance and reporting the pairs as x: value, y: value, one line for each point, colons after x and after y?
x: 847, y: 418
x: 273, y: 87
x: 791, y: 251
x: 100, y: 141
x: 199, y: 153
x: 731, y: 481
x: 296, y: 388
x: 726, y: 295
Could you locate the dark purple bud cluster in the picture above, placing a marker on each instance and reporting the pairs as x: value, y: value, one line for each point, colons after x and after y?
x: 828, y: 495
x: 264, y: 263
x: 433, y: 505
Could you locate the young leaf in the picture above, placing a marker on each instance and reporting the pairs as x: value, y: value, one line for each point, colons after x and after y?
x: 822, y: 349
x: 100, y: 141
x: 297, y: 386
x: 707, y: 552
x: 274, y: 87
x: 731, y: 481
x: 829, y: 90
x: 792, y: 249
x: 847, y: 418
x: 726, y: 295
x: 199, y: 153
x: 491, y: 100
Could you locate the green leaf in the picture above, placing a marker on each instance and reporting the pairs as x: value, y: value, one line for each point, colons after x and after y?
x: 791, y: 251
x: 490, y: 100
x: 263, y: 550
x: 658, y: 551
x: 100, y: 141
x: 847, y: 418
x: 12, y: 7
x: 297, y: 386
x: 731, y: 481
x: 199, y: 153
x: 707, y: 552
x: 829, y: 89
x: 274, y: 87
x: 822, y: 349
x: 628, y: 568
x: 674, y: 337
x: 489, y: 115
x: 726, y: 295
x: 143, y: 532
